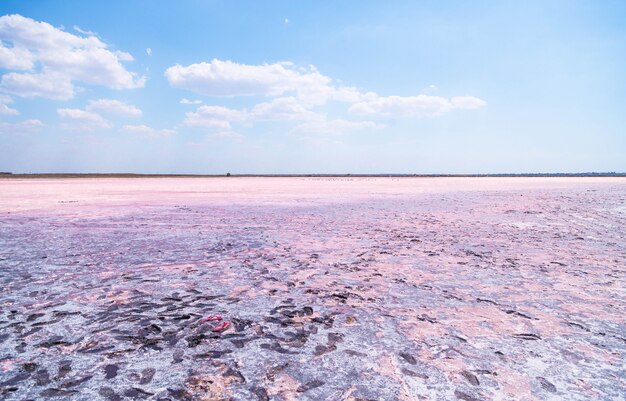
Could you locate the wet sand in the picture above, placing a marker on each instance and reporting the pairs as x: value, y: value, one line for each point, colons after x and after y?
x: 332, y: 288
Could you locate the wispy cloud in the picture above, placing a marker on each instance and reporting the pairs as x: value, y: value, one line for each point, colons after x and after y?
x: 82, y: 120
x: 187, y: 101
x: 112, y: 106
x: 6, y: 110
x: 22, y: 127
x: 419, y: 106
x: 83, y: 31
x: 149, y: 131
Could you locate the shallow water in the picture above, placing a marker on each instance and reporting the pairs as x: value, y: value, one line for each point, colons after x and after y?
x: 335, y: 288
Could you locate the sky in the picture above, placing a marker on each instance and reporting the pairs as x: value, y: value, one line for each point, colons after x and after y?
x: 297, y: 87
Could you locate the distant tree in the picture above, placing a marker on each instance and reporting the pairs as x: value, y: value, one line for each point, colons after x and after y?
x: 227, y: 174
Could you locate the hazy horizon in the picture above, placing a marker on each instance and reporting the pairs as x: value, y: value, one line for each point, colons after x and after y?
x: 310, y: 88
x: 320, y: 175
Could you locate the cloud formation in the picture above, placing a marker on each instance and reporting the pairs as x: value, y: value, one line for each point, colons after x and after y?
x: 220, y: 118
x: 214, y: 117
x: 82, y: 120
x: 46, y: 61
x: 149, y: 131
x: 22, y: 127
x: 83, y: 31
x: 6, y: 110
x: 50, y: 60
x: 112, y: 106
x: 296, y: 94
x: 282, y: 108
x: 419, y: 106
x: 187, y: 101
x: 90, y: 118
x: 228, y: 79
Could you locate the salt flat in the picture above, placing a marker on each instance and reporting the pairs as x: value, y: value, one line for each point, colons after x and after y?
x: 334, y: 288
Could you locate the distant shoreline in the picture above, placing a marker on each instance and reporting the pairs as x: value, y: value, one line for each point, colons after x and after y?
x: 133, y: 175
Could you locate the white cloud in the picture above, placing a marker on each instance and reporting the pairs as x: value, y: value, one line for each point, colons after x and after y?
x: 350, y: 94
x: 112, y: 106
x: 48, y: 84
x: 124, y: 56
x: 23, y: 127
x: 148, y: 131
x: 221, y: 118
x: 213, y: 117
x: 51, y: 60
x: 467, y: 102
x: 12, y: 58
x: 81, y: 120
x: 6, y: 110
x: 414, y: 106
x: 149, y: 51
x: 323, y: 126
x: 187, y: 101
x: 227, y: 79
x: 283, y: 108
x: 221, y: 112
x: 295, y: 94
x: 90, y: 119
x: 298, y: 90
x: 84, y: 32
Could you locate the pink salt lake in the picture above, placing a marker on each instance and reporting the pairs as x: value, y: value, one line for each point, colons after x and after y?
x: 335, y: 288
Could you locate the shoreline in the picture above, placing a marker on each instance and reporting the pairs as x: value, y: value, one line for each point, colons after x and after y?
x: 137, y: 175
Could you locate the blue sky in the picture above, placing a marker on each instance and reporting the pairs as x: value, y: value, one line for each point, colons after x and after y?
x: 312, y: 87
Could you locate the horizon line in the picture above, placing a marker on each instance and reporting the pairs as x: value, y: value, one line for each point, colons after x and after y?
x: 305, y: 175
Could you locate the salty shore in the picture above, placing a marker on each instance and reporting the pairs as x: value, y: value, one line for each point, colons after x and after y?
x: 334, y: 288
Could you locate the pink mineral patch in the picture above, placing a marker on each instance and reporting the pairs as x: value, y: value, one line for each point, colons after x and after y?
x: 221, y: 327
x: 211, y: 318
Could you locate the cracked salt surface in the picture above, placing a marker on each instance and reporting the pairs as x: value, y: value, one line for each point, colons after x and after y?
x: 335, y: 289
